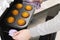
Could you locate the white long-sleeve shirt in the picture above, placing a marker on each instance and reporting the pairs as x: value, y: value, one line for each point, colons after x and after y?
x: 4, y: 4
x: 48, y: 27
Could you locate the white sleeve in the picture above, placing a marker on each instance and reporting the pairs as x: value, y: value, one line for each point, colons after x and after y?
x: 4, y: 4
x: 48, y: 27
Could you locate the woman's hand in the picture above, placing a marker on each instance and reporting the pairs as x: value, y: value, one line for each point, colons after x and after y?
x: 35, y: 3
x: 22, y: 35
x: 38, y: 1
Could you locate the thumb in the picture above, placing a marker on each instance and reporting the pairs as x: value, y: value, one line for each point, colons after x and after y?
x: 16, y: 33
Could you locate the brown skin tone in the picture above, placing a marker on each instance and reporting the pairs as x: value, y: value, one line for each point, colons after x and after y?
x: 38, y: 1
x: 23, y: 34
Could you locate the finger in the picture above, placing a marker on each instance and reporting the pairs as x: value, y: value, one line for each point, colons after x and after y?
x: 14, y: 38
x: 38, y: 1
x: 41, y: 1
x: 16, y: 33
x: 17, y: 38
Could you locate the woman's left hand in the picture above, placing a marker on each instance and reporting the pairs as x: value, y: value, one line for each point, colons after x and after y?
x: 22, y: 35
